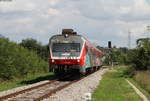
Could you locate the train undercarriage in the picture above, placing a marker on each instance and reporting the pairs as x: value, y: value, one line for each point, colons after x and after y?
x: 61, y: 71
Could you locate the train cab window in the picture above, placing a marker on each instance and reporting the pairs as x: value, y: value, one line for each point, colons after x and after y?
x: 66, y: 47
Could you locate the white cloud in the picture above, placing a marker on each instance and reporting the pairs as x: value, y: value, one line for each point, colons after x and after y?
x: 53, y: 11
x: 101, y: 20
x: 17, y: 5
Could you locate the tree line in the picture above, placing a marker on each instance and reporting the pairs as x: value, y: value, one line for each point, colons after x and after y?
x: 17, y: 60
x: 37, y: 47
x: 137, y: 59
x: 30, y: 56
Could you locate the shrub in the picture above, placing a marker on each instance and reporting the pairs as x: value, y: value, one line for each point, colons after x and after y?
x: 32, y: 44
x: 140, y: 57
x: 16, y: 61
x: 130, y: 71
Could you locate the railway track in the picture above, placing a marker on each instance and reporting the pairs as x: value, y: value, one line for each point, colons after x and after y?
x: 40, y: 92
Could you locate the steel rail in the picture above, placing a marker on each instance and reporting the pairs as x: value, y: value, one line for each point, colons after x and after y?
x: 53, y: 91
x: 60, y: 88
x: 25, y: 90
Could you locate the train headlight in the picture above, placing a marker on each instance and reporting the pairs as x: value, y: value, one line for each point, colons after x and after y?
x: 53, y: 60
x: 66, y: 35
x: 78, y: 60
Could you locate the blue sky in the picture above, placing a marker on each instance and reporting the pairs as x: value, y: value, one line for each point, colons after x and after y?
x: 98, y: 20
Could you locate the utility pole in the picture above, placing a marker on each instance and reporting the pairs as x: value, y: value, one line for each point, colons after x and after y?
x: 148, y: 28
x: 129, y: 39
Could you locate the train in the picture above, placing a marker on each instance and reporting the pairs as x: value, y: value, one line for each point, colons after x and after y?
x: 70, y: 52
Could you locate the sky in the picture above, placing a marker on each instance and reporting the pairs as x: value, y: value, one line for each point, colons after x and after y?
x: 99, y: 21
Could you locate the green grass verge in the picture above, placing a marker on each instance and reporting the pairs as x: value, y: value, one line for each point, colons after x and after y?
x: 140, y: 88
x: 29, y: 79
x: 113, y: 87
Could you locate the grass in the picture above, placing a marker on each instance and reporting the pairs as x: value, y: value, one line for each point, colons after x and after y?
x: 139, y: 87
x: 143, y: 79
x: 29, y: 79
x: 113, y: 87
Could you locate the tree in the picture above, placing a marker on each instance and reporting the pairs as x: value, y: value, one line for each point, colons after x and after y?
x: 139, y: 58
x: 32, y: 44
x: 144, y: 43
x: 116, y: 56
x: 16, y: 61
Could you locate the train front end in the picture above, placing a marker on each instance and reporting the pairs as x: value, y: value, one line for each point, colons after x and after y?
x: 66, y: 52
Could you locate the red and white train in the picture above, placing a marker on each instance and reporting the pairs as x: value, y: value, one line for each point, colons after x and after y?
x: 69, y: 52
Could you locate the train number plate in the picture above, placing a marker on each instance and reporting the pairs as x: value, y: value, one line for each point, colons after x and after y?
x: 65, y: 54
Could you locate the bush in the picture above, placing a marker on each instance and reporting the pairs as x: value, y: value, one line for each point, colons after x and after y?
x: 129, y: 72
x: 16, y: 61
x: 117, y: 56
x: 140, y: 57
x: 33, y: 45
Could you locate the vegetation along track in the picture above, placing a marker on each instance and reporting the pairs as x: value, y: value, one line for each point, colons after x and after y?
x: 39, y: 92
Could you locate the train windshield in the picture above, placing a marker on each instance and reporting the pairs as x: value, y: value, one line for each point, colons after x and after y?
x: 66, y: 47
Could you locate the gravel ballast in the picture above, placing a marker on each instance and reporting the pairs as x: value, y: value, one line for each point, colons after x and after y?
x: 78, y: 90
x: 3, y: 93
x: 74, y: 92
